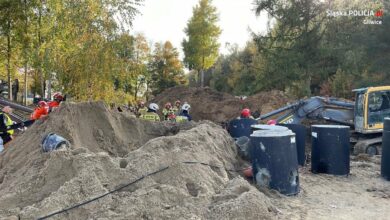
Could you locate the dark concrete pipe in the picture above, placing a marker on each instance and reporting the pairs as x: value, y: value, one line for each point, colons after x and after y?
x: 330, y: 149
x: 274, y: 160
x: 300, y: 134
x: 385, y: 160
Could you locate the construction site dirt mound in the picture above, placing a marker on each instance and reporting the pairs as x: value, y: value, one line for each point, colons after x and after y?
x: 208, y: 104
x: 119, y: 167
x: 109, y: 149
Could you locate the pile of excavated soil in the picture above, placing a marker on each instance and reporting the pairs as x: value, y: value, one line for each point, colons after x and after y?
x: 208, y: 104
x: 109, y: 149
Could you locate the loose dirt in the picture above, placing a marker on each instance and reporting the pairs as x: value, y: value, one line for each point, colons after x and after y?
x: 361, y: 195
x: 193, y: 180
x: 208, y: 104
x: 110, y: 149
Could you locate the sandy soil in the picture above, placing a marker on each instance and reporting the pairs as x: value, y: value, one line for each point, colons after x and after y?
x: 208, y: 104
x: 110, y: 149
x: 361, y: 195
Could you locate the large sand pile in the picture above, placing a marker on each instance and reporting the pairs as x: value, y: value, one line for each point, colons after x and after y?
x: 110, y: 149
x: 208, y: 104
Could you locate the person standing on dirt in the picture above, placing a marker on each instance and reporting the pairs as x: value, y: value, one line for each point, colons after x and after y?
x: 168, y: 112
x: 6, y: 121
x: 185, y: 114
x: 41, y: 111
x: 246, y: 113
x: 141, y: 108
x: 151, y: 114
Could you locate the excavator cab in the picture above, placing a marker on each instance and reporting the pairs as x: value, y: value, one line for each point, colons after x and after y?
x: 372, y: 105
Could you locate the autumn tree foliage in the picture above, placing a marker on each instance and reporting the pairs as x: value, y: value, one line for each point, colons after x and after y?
x: 82, y: 48
x: 201, y: 47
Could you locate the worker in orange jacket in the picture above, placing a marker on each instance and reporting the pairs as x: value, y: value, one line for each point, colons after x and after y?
x: 41, y: 111
x: 58, y: 98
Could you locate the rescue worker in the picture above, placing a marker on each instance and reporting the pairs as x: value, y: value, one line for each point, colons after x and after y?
x: 185, y: 114
x: 36, y: 99
x: 141, y: 108
x: 176, y: 109
x: 168, y: 112
x: 246, y: 113
x: 57, y: 99
x: 6, y: 121
x: 271, y: 122
x: 41, y: 111
x: 151, y: 114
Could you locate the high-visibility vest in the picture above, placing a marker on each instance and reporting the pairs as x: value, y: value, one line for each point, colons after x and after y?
x: 176, y: 110
x: 181, y: 118
x: 142, y: 111
x: 167, y: 112
x: 150, y: 116
x: 8, y: 122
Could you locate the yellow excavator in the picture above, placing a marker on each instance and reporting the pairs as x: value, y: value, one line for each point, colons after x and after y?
x: 365, y: 116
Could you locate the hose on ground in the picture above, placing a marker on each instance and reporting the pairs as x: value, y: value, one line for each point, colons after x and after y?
x: 131, y: 183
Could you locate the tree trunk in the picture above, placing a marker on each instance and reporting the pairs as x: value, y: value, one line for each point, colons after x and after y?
x: 49, y: 87
x: 9, y: 60
x: 25, y: 52
x: 25, y: 83
x: 202, y: 78
x: 146, y: 91
x: 197, y: 80
x: 136, y: 90
x: 202, y: 72
x: 40, y: 72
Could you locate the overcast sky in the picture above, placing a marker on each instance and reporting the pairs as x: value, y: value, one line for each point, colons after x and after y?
x: 162, y: 20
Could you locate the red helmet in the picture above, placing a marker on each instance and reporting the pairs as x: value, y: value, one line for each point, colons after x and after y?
x: 177, y: 102
x: 42, y: 104
x: 168, y: 105
x: 248, y: 172
x: 271, y: 122
x: 245, y: 113
x: 58, y: 97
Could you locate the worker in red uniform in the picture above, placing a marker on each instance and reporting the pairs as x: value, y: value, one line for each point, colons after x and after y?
x: 272, y: 122
x: 246, y: 113
x: 58, y: 98
x: 41, y: 111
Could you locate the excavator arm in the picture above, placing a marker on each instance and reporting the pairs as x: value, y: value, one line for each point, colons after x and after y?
x: 315, y: 108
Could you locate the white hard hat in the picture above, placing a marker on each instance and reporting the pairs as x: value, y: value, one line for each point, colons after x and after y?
x: 153, y: 106
x: 186, y: 107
